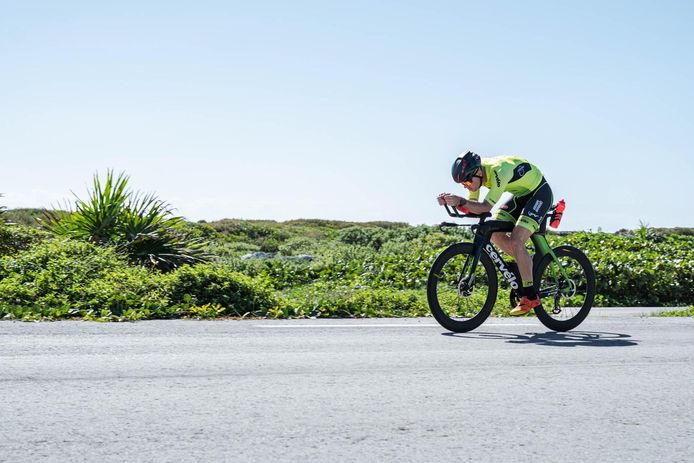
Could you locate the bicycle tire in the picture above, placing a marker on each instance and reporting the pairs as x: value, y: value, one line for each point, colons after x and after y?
x: 573, y: 260
x: 450, y: 291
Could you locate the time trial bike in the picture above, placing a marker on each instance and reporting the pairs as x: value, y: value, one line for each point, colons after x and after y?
x: 462, y: 286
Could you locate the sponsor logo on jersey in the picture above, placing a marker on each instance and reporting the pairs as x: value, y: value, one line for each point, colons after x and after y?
x: 498, y: 181
x: 537, y: 206
x: 510, y: 277
x: 520, y: 170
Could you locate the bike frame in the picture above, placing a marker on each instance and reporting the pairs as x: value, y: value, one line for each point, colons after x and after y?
x: 481, y: 241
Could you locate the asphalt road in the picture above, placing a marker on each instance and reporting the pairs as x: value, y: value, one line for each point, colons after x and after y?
x: 621, y: 388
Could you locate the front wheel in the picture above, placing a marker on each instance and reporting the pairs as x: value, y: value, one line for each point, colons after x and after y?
x: 460, y: 303
x: 567, y: 296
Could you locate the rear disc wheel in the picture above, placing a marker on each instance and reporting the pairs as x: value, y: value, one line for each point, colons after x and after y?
x: 567, y: 296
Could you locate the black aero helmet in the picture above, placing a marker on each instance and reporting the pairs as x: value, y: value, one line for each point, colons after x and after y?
x: 465, y: 166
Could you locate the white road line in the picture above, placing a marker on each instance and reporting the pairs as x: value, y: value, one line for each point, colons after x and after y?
x: 384, y: 326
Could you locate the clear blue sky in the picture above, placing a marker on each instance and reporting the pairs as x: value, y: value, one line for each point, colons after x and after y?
x: 349, y: 110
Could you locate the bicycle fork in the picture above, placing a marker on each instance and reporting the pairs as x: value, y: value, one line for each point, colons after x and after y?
x: 466, y: 281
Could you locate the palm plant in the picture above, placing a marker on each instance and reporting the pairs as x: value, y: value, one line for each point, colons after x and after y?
x: 139, y: 225
x: 95, y: 220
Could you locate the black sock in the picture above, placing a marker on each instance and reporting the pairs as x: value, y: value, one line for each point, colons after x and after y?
x: 528, y: 290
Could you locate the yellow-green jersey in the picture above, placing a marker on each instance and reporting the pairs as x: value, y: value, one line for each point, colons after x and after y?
x: 508, y: 174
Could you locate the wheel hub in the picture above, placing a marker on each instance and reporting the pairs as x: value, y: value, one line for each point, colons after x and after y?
x: 464, y: 288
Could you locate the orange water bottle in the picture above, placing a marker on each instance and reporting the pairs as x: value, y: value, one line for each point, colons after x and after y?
x: 557, y: 214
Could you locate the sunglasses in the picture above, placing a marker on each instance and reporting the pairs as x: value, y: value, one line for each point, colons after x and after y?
x: 468, y: 182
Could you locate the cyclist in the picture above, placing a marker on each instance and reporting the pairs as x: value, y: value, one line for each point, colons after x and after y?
x: 532, y: 198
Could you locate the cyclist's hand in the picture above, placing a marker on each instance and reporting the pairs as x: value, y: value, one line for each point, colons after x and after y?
x: 440, y: 198
x: 452, y: 200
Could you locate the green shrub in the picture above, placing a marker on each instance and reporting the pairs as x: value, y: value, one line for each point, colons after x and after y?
x: 684, y: 312
x: 238, y: 294
x: 204, y: 311
x: 59, y: 279
x: 52, y: 275
x: 359, y: 270
x: 250, y: 230
x: 639, y: 269
x: 36, y: 312
x: 231, y: 249
x: 200, y: 230
x: 53, y: 267
x: 362, y: 236
x: 15, y: 238
x: 285, y: 273
x: 325, y: 300
x: 130, y: 293
x: 24, y: 216
x: 299, y: 245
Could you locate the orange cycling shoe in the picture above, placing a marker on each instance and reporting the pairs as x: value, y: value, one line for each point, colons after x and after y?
x: 525, y: 305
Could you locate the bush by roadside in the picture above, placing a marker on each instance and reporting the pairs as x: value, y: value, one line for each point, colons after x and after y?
x: 233, y: 293
x: 633, y: 270
x: 685, y: 312
x: 15, y: 238
x: 58, y: 279
x: 352, y: 274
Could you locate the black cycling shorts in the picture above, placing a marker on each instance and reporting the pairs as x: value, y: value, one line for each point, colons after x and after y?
x: 529, y: 210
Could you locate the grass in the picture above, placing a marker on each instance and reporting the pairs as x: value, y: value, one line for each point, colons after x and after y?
x: 685, y: 312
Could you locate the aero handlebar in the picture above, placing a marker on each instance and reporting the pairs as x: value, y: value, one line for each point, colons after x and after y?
x: 453, y: 212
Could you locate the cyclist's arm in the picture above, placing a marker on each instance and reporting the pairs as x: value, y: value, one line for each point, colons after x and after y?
x: 477, y: 207
x: 474, y: 204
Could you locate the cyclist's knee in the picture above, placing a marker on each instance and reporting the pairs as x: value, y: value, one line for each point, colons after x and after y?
x: 503, y: 241
x: 498, y: 238
x: 518, y: 237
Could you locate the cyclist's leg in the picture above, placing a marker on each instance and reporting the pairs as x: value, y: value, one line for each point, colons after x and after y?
x: 510, y: 212
x: 528, y: 296
x: 517, y: 240
x: 534, y: 208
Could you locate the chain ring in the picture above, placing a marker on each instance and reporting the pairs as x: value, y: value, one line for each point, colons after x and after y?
x: 573, y: 286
